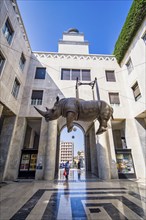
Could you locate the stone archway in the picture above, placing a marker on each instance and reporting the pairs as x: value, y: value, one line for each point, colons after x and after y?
x: 91, y: 164
x: 99, y: 150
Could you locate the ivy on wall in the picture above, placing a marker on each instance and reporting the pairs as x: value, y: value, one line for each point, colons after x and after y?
x: 133, y: 21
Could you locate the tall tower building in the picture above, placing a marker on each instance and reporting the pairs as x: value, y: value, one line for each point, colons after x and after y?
x: 66, y: 152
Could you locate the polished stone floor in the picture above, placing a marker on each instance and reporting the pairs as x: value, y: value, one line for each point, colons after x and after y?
x: 82, y: 197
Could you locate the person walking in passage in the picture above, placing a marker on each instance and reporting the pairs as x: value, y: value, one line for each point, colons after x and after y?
x: 67, y: 169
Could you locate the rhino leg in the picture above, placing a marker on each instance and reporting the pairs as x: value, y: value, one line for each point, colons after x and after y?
x: 102, y: 126
x: 71, y: 116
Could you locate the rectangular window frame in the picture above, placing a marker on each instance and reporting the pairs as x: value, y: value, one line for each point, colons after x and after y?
x: 37, y: 99
x: 109, y: 77
x: 117, y: 99
x: 8, y: 31
x: 2, y: 61
x: 37, y: 74
x: 129, y: 65
x: 136, y: 91
x: 144, y: 37
x: 16, y: 87
x: 22, y: 61
x: 71, y: 77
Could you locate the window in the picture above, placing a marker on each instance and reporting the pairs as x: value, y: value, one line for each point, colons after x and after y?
x: 65, y: 74
x: 16, y: 87
x: 2, y: 61
x: 114, y: 98
x: 110, y: 76
x: 40, y: 73
x: 86, y: 75
x: 144, y: 37
x: 136, y: 91
x: 22, y: 61
x: 37, y: 97
x: 8, y: 31
x: 73, y: 74
x: 129, y: 66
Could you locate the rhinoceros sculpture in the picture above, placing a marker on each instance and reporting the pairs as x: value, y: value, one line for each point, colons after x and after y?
x: 74, y: 109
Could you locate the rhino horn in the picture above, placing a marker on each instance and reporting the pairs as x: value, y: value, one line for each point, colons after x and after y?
x: 40, y: 111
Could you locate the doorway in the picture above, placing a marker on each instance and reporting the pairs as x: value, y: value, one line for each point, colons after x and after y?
x: 72, y: 149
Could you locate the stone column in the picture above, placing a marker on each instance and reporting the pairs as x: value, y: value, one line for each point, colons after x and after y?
x: 13, y: 158
x: 5, y: 141
x: 102, y: 155
x: 39, y: 175
x: 93, y: 152
x: 87, y: 153
x: 133, y: 142
x: 50, y: 154
x: 1, y: 109
x: 112, y: 155
x: 31, y: 141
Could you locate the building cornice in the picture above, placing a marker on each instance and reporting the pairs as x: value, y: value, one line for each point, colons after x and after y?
x: 73, y: 42
x: 20, y: 21
x: 54, y: 55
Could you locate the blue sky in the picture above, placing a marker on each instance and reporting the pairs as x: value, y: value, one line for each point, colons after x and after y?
x: 100, y: 21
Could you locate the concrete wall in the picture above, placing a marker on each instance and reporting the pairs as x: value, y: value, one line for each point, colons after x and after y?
x: 12, y: 54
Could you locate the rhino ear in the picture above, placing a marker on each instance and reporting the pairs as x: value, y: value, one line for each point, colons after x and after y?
x: 57, y: 98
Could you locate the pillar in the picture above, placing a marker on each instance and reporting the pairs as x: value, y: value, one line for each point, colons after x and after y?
x: 13, y: 158
x: 102, y: 155
x: 93, y: 152
x: 5, y: 141
x: 133, y: 142
x: 1, y: 109
x: 50, y: 153
x: 87, y: 153
x: 39, y: 175
x: 112, y: 155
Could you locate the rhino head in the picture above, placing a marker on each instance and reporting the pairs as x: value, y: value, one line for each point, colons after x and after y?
x: 51, y: 114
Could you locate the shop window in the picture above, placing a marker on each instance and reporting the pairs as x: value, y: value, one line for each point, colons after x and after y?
x: 114, y: 98
x: 110, y: 76
x: 40, y: 73
x: 73, y: 74
x: 22, y: 61
x: 136, y: 91
x: 37, y: 97
x: 16, y: 88
x: 125, y: 163
x: 28, y: 163
x: 129, y: 66
x: 2, y: 61
x: 8, y: 31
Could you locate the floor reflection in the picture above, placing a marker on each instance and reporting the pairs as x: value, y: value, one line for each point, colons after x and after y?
x: 77, y: 175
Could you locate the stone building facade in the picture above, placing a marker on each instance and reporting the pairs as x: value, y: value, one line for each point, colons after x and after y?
x: 66, y: 152
x: 29, y: 146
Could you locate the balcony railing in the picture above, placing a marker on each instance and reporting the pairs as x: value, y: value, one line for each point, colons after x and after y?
x: 36, y: 101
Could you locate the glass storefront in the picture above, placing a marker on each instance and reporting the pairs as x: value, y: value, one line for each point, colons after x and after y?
x: 125, y: 164
x: 28, y: 164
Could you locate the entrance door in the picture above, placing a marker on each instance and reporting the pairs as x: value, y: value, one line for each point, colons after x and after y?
x: 27, y: 166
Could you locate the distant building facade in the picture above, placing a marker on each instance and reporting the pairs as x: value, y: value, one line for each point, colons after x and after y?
x: 29, y: 146
x: 66, y: 152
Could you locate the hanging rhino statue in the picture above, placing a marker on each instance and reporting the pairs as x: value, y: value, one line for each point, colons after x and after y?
x: 74, y: 109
